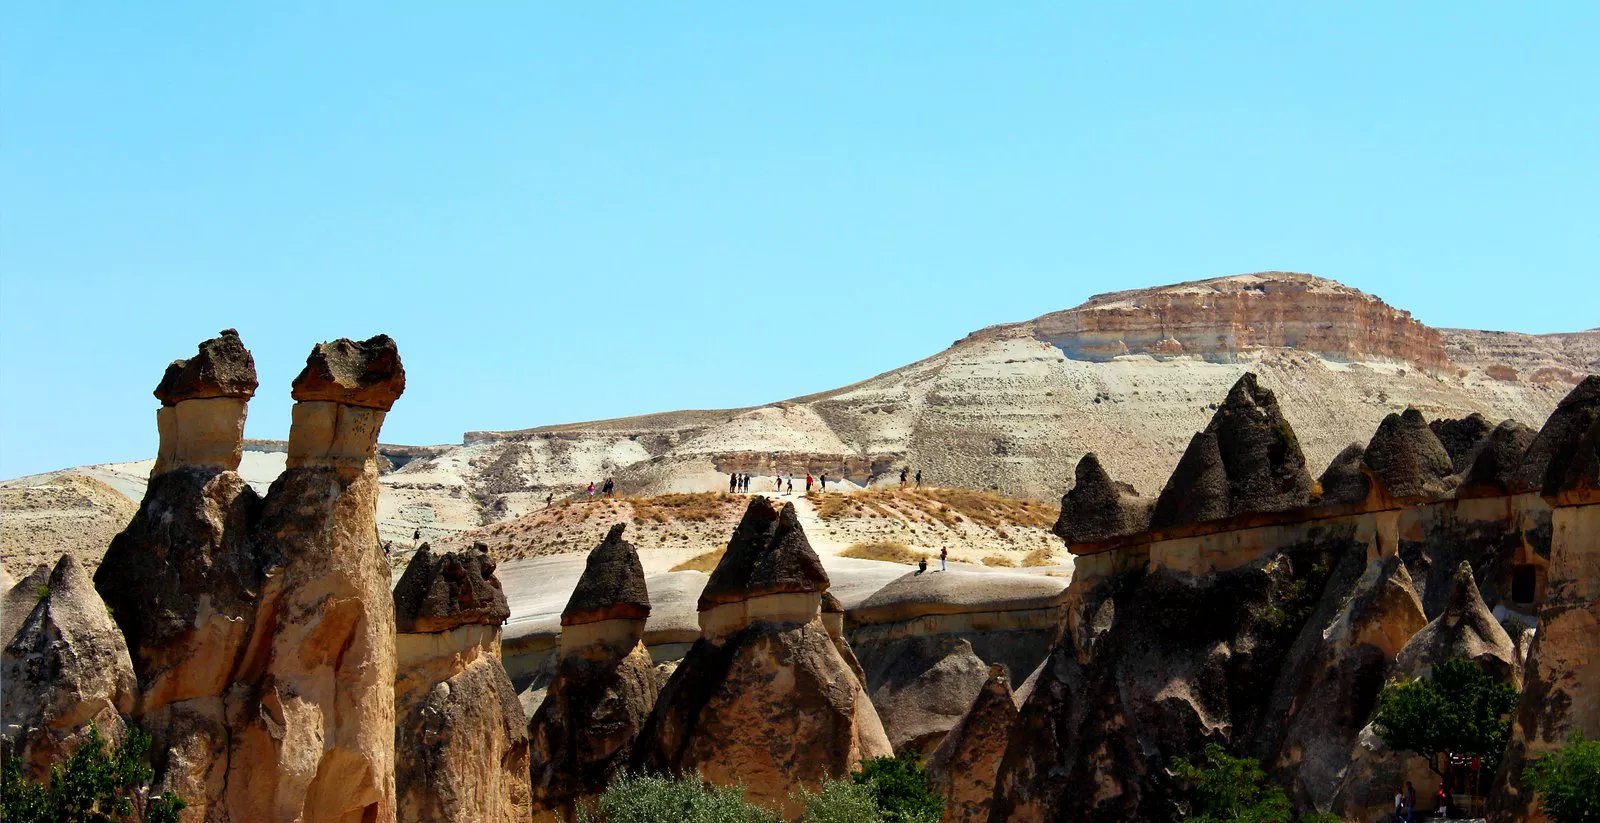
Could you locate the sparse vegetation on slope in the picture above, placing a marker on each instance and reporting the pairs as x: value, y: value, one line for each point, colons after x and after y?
x: 888, y: 551
x: 947, y: 506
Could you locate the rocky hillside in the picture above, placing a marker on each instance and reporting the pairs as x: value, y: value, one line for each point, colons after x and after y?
x: 1011, y: 408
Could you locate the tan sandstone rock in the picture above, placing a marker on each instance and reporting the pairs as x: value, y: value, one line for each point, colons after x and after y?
x: 764, y: 698
x: 963, y: 768
x: 67, y: 667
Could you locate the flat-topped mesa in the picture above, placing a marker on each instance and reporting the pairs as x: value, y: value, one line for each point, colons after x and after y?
x: 1345, y: 480
x: 1559, y: 450
x: 610, y: 604
x: 441, y: 592
x: 1099, y: 508
x: 1408, y: 461
x: 1494, y: 466
x: 342, y: 395
x: 1461, y: 437
x: 768, y: 572
x: 203, y: 404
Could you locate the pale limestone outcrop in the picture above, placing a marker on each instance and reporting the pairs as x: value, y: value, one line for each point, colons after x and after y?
x: 605, y: 685
x: 459, y: 735
x: 764, y: 698
x: 66, y: 667
x: 315, y: 739
x: 963, y: 768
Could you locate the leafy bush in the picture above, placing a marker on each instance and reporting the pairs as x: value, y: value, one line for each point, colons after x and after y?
x: 1458, y: 710
x: 839, y: 801
x: 92, y: 786
x: 1228, y: 789
x: 1568, y: 782
x: 899, y: 787
x: 653, y: 798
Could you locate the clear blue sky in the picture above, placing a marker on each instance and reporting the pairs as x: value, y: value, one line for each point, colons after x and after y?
x: 573, y: 211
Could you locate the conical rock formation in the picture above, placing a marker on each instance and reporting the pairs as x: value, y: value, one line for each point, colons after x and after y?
x: 1099, y: 508
x: 1407, y: 459
x: 963, y: 768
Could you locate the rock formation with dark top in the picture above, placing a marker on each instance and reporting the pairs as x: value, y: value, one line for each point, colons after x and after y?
x: 439, y: 593
x: 1198, y: 489
x: 1466, y: 629
x: 460, y: 737
x: 1266, y: 470
x: 605, y: 685
x: 365, y: 373
x: 222, y: 367
x: 764, y: 697
x: 1544, y: 465
x: 963, y: 768
x: 66, y: 667
x: 1344, y: 481
x: 1408, y: 460
x: 1099, y: 508
x: 1461, y: 437
x: 1494, y: 467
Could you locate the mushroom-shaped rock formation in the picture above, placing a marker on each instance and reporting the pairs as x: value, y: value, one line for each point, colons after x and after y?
x: 201, y: 419
x: 459, y: 728
x: 963, y: 768
x: 1408, y: 460
x: 1461, y: 437
x: 317, y: 731
x: 1494, y: 466
x: 604, y: 687
x: 66, y: 667
x: 1344, y: 481
x: 764, y: 697
x: 1544, y: 466
x: 1198, y: 489
x: 1266, y: 470
x: 1466, y: 629
x: 1098, y: 508
x: 440, y: 592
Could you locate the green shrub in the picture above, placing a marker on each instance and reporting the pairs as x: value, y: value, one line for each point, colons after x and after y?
x: 1228, y: 789
x: 839, y: 801
x: 899, y: 786
x: 92, y: 786
x: 1458, y: 710
x: 1568, y: 782
x: 653, y: 798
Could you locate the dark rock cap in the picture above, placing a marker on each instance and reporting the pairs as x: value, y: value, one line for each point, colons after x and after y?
x: 1266, y: 469
x: 1407, y: 459
x: 442, y: 592
x: 1344, y: 481
x: 1099, y: 508
x: 1544, y: 466
x: 1461, y: 438
x: 1198, y: 489
x: 222, y: 367
x: 1583, y: 470
x: 831, y: 604
x: 366, y: 373
x: 1493, y: 470
x: 612, y: 585
x: 768, y: 554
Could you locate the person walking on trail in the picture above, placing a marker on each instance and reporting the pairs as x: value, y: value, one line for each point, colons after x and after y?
x: 591, y: 489
x: 903, y: 473
x: 1411, y: 803
x: 416, y: 537
x: 549, y: 499
x: 922, y: 565
x: 919, y: 478
x: 777, y: 482
x: 790, y: 484
x: 944, y: 554
x: 824, y: 481
x: 610, y: 488
x: 808, y: 482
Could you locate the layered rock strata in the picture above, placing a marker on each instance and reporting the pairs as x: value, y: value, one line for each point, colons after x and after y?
x: 764, y: 698
x: 605, y: 685
x: 65, y: 668
x: 460, y: 737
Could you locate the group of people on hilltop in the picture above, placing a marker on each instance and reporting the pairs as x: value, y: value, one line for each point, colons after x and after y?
x: 781, y: 483
x: 608, y: 488
x: 905, y: 475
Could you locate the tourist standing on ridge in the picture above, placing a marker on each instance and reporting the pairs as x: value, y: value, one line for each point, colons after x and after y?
x: 791, y: 484
x: 944, y: 554
x: 903, y: 473
x: 609, y: 488
x: 591, y: 489
x: 777, y: 482
x: 808, y: 482
x: 733, y: 482
x: 824, y: 481
x: 919, y: 478
x: 416, y: 537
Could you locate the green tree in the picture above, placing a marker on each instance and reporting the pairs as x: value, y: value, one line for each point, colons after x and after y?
x: 91, y: 786
x: 1227, y: 789
x: 1568, y: 781
x: 839, y: 801
x: 1459, y: 710
x: 652, y: 798
x: 899, y: 785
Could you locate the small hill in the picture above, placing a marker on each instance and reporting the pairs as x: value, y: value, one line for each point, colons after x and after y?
x: 45, y: 516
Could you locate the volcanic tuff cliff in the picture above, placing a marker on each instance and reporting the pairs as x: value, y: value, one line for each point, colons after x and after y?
x: 1130, y: 375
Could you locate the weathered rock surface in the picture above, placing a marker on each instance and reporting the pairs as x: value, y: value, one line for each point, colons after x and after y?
x: 964, y: 766
x: 1344, y: 481
x: 1198, y: 489
x: 1494, y: 466
x: 19, y: 598
x: 585, y: 730
x: 1544, y: 466
x: 1098, y: 508
x: 365, y: 373
x: 764, y: 698
x: 1461, y: 437
x: 437, y: 593
x: 66, y: 667
x: 460, y: 736
x: 1408, y: 460
x: 1466, y: 629
x: 1266, y: 470
x: 222, y: 367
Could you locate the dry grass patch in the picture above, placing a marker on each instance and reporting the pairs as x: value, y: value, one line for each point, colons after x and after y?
x: 700, y: 562
x: 1039, y: 557
x: 999, y: 560
x: 890, y: 551
x: 692, y: 507
x: 947, y: 506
